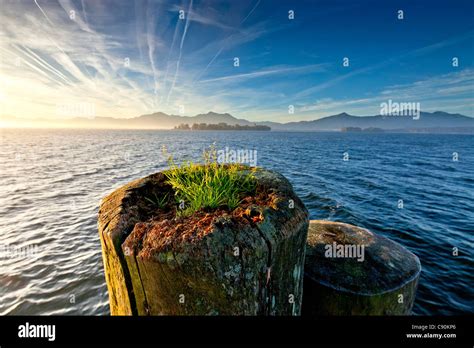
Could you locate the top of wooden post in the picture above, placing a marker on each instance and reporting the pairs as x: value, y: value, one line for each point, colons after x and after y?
x: 355, y: 260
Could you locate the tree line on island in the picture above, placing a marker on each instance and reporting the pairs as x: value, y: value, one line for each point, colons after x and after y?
x: 363, y: 130
x: 221, y: 126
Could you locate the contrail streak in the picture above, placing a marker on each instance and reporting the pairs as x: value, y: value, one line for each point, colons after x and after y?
x: 151, y: 46
x: 33, y: 56
x: 165, y: 78
x: 222, y: 48
x: 180, y: 51
x: 57, y: 46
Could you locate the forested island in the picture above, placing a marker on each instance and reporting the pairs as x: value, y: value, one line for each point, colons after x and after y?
x: 221, y: 126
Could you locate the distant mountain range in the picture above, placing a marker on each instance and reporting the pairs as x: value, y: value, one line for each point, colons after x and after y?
x: 436, y: 122
x: 428, y: 122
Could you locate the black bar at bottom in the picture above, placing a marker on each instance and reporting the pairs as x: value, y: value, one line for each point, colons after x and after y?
x: 414, y: 330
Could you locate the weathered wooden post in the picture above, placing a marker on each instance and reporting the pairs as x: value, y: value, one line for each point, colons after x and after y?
x: 352, y: 271
x: 249, y: 266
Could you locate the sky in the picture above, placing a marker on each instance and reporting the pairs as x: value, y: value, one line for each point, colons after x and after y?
x: 63, y: 58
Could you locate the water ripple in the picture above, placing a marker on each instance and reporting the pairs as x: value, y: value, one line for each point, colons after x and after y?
x: 53, y: 180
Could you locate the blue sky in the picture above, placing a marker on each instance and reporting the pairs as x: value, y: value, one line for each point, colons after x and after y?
x: 128, y: 58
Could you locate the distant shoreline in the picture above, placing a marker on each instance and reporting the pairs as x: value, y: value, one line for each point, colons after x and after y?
x: 222, y: 126
x: 435, y: 122
x: 464, y: 131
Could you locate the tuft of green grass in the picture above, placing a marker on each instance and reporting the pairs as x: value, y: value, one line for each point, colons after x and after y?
x: 209, y: 185
x: 159, y: 202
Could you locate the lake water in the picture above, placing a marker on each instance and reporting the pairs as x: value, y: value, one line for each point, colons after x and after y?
x: 52, y: 182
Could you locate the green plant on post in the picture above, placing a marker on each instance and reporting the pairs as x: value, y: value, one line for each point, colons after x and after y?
x: 160, y: 203
x: 210, y: 185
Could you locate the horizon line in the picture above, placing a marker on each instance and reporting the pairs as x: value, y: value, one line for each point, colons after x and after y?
x: 91, y: 118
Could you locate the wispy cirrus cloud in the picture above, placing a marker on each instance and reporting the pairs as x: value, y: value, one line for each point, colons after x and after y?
x: 142, y: 57
x: 278, y: 70
x: 205, y: 15
x: 67, y: 56
x: 178, y: 61
x: 434, y: 94
x: 392, y: 60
